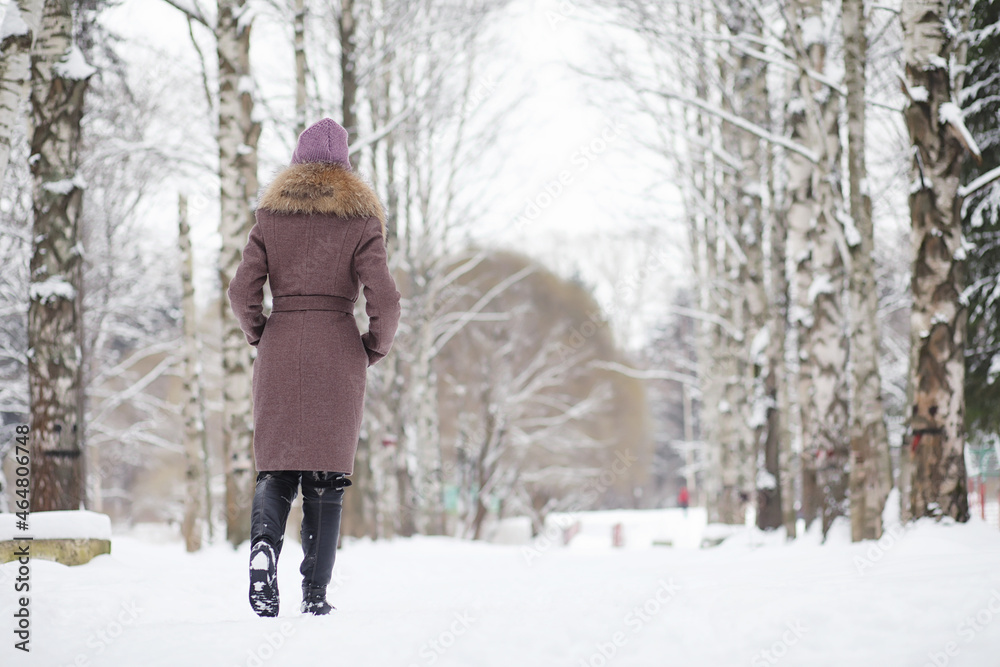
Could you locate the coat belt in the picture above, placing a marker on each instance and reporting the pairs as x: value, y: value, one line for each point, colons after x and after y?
x: 287, y: 303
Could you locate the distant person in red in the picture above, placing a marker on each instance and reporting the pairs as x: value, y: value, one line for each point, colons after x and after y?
x: 683, y: 498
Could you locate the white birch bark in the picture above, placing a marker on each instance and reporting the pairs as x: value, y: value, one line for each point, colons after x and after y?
x: 20, y: 24
x: 759, y: 474
x: 799, y: 221
x: 871, y: 474
x: 239, y: 131
x: 348, y: 72
x: 779, y: 441
x: 936, y: 450
x: 197, y: 500
x: 423, y: 445
x: 700, y: 197
x: 301, y: 65
x: 59, y: 77
x: 361, y: 506
x: 816, y: 239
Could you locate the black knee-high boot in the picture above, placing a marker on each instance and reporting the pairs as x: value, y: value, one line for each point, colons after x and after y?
x: 272, y: 500
x: 322, y: 505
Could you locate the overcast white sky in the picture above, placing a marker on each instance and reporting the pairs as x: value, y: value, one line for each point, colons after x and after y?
x: 611, y: 211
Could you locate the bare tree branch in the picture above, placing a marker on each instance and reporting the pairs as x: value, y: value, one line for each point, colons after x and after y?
x: 741, y: 123
x: 193, y: 13
x: 651, y: 374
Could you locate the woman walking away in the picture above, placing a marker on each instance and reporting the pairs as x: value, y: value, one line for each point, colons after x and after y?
x: 320, y: 233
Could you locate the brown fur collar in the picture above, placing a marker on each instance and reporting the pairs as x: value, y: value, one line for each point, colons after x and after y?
x: 321, y: 188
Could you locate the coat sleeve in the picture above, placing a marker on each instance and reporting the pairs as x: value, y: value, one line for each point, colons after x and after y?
x: 381, y: 296
x: 246, y: 290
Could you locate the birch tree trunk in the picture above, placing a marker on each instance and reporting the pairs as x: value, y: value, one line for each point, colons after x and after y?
x: 380, y: 461
x: 238, y: 134
x: 778, y: 455
x: 301, y: 65
x: 348, y: 72
x: 759, y: 474
x: 708, y: 353
x: 938, y: 320
x: 701, y: 195
x: 871, y: 475
x: 817, y: 200
x: 729, y: 365
x: 420, y: 433
x: 20, y: 25
x: 359, y: 514
x: 59, y: 78
x: 799, y: 222
x: 197, y: 501
x: 740, y: 300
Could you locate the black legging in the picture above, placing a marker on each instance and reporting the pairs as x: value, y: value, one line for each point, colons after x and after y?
x: 322, y: 504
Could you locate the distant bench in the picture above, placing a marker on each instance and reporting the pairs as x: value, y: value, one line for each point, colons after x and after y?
x: 67, y: 537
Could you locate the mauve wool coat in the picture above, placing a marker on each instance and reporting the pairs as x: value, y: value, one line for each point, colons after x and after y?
x: 319, y: 234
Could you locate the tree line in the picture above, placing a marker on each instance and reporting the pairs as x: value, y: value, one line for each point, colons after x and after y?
x: 764, y: 112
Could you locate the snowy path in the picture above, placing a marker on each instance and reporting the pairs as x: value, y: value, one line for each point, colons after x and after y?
x: 436, y: 601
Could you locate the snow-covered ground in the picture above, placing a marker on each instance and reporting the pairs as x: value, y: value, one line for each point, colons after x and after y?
x: 928, y: 594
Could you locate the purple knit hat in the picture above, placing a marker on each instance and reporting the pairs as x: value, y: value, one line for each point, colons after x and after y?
x: 326, y: 141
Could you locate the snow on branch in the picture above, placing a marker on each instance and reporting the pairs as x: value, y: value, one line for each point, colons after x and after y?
x: 793, y: 67
x: 193, y: 12
x: 50, y: 289
x: 950, y: 114
x: 707, y: 317
x: 74, y: 66
x: 980, y: 183
x: 741, y: 123
x: 13, y: 24
x: 813, y: 31
x: 650, y: 374
x: 65, y: 186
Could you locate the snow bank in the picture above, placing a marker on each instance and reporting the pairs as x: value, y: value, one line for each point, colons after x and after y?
x: 640, y: 529
x: 512, y: 530
x: 69, y: 525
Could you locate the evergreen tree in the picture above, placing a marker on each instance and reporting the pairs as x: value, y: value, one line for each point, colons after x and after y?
x: 981, y: 220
